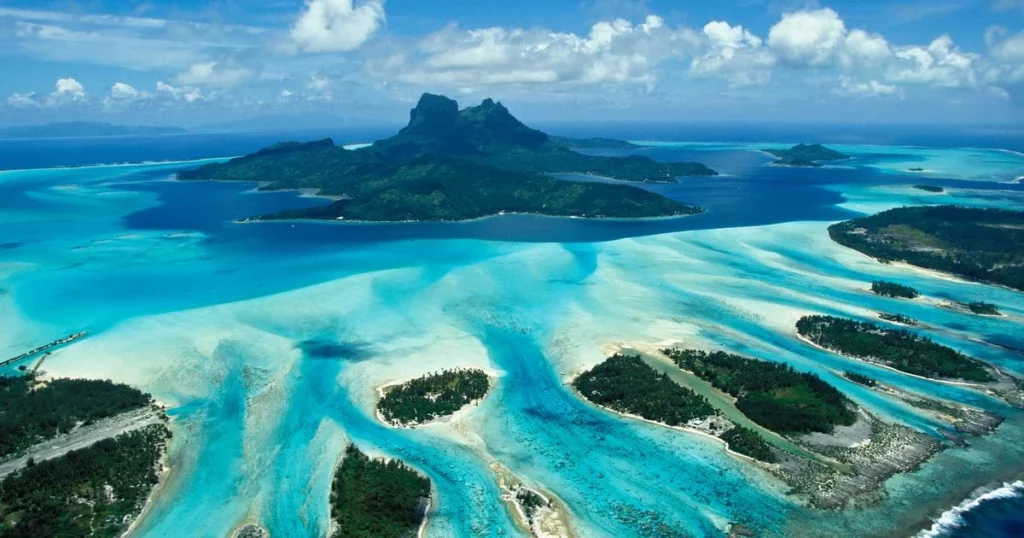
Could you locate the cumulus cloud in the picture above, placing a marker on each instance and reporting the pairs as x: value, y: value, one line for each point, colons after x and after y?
x: 179, y: 93
x: 615, y: 51
x: 122, y: 91
x: 809, y: 38
x: 23, y: 100
x: 735, y: 53
x: 336, y: 25
x: 872, y: 88
x: 941, y: 63
x: 214, y: 73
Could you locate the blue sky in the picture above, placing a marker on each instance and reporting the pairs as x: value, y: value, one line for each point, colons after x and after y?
x: 366, y: 61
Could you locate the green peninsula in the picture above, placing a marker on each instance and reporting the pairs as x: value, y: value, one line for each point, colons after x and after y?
x: 771, y: 394
x: 451, y: 164
x: 898, y: 349
x: 986, y: 245
x: 811, y: 155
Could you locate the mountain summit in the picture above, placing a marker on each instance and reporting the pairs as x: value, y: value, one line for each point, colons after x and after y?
x: 437, y: 125
x: 451, y: 164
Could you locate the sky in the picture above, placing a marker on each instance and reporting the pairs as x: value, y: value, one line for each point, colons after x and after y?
x: 202, y: 62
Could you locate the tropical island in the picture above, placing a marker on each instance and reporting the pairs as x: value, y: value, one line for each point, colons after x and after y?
x: 860, y: 379
x: 451, y: 164
x: 898, y: 349
x: 985, y: 245
x: 929, y: 188
x: 624, y: 383
x: 50, y: 488
x: 900, y: 319
x: 377, y: 498
x: 892, y: 289
x: 809, y: 155
x: 771, y: 394
x: 32, y: 411
x: 980, y: 308
x: 75, y: 129
x: 432, y: 397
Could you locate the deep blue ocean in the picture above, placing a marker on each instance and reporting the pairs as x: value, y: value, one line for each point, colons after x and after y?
x: 242, y: 262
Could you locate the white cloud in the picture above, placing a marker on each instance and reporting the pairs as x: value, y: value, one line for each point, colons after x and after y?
x: 809, y: 38
x: 615, y: 51
x: 941, y: 63
x: 862, y: 48
x: 1004, y: 48
x: 336, y: 25
x: 872, y: 88
x: 214, y: 73
x: 179, y: 93
x: 23, y: 100
x: 735, y: 53
x: 123, y: 92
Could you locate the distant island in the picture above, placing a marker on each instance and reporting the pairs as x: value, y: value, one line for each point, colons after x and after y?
x: 449, y: 164
x: 431, y: 397
x: 377, y: 498
x: 986, y: 245
x: 916, y: 169
x: 77, y: 129
x: 898, y: 318
x: 935, y: 189
x: 811, y: 155
x: 892, y: 289
x: 898, y: 349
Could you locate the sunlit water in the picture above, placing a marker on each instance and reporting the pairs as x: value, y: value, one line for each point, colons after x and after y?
x: 267, y: 341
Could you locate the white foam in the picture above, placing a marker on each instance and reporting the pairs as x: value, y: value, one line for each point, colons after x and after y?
x: 953, y: 519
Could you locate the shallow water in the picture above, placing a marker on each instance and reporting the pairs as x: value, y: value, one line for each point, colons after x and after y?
x: 268, y: 340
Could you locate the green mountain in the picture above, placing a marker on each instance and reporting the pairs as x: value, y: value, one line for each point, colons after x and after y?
x: 84, y: 129
x: 448, y: 164
x: 806, y: 155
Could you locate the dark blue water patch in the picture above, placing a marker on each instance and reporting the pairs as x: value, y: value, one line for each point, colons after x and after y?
x: 207, y: 206
x: 999, y: 517
x: 11, y: 246
x: 347, y: 351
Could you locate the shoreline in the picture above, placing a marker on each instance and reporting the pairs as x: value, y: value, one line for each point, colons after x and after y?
x: 684, y: 429
x: 343, y: 221
x: 120, y: 165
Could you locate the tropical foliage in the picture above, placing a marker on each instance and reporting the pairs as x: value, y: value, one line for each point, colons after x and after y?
x: 899, y: 349
x: 749, y: 443
x: 32, y: 411
x: 374, y: 498
x: 432, y: 396
x: 892, y: 289
x: 626, y: 384
x: 771, y: 394
x: 96, y: 491
x: 981, y: 244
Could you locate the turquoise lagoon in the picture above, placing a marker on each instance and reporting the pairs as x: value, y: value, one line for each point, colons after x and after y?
x: 267, y: 341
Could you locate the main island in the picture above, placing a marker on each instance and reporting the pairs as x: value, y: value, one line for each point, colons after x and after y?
x: 451, y: 164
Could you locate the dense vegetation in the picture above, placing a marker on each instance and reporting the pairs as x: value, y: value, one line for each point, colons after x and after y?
x: 982, y: 308
x: 986, y: 245
x: 771, y: 394
x: 626, y: 384
x: 32, y: 412
x: 892, y: 289
x: 449, y: 164
x: 898, y: 318
x: 860, y: 379
x: 930, y: 188
x: 432, y: 396
x: 899, y: 349
x: 373, y: 498
x: 749, y: 443
x: 806, y: 155
x: 96, y: 491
